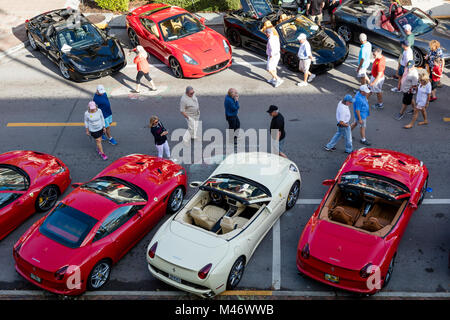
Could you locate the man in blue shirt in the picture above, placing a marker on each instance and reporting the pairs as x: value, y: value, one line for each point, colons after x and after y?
x: 363, y: 59
x: 231, y: 110
x: 102, y: 101
x: 361, y: 111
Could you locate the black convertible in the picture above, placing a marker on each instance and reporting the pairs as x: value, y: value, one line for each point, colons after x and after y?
x: 243, y: 28
x: 79, y: 48
x: 383, y: 25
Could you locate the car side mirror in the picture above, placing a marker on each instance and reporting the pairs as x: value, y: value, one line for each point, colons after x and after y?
x: 328, y: 182
x: 413, y: 205
x: 195, y: 184
x: 140, y: 213
x: 76, y: 185
x: 19, y: 201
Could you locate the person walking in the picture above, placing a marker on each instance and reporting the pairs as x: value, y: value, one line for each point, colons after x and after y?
x: 332, y: 5
x: 436, y: 77
x: 95, y: 126
x: 277, y: 131
x: 160, y: 134
x: 410, y: 37
x: 273, y: 56
x: 305, y: 59
x: 377, y: 77
x: 406, y: 56
x: 434, y: 52
x: 409, y: 84
x: 231, y: 105
x: 190, y: 110
x: 363, y: 59
x: 143, y: 68
x: 361, y: 111
x: 314, y: 9
x: 102, y: 101
x: 422, y: 100
x: 344, y: 129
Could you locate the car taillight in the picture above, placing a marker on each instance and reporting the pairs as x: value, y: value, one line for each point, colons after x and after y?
x: 366, y: 271
x: 152, y: 251
x: 203, y: 273
x: 305, y: 251
x: 59, y: 275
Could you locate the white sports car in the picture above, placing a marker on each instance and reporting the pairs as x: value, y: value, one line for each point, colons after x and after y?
x: 203, y: 249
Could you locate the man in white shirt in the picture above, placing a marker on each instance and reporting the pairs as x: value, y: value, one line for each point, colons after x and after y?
x: 409, y: 82
x: 305, y: 58
x: 273, y: 56
x: 343, y: 116
x: 190, y: 109
x: 407, y: 55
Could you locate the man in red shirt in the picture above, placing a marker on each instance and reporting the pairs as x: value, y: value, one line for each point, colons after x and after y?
x: 377, y: 77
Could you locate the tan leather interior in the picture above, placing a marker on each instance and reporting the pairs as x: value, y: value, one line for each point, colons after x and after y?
x: 228, y: 224
x: 347, y: 215
x: 372, y: 224
x: 208, y: 217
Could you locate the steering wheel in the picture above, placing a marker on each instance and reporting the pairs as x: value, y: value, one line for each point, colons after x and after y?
x: 216, y: 197
x: 352, y: 195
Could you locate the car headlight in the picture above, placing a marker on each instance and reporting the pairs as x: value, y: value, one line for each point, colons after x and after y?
x: 226, y: 46
x: 78, y: 66
x: 293, y: 168
x: 189, y: 59
x: 60, y: 170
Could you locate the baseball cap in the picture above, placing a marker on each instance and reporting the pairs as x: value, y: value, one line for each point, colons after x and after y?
x: 101, y: 89
x: 302, y: 36
x: 272, y: 108
x: 407, y: 27
x: 405, y: 43
x: 410, y: 64
x: 364, y: 88
x: 92, y: 105
x: 348, y: 97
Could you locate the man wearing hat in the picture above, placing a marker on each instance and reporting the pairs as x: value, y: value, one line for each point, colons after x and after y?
x: 102, y: 101
x: 361, y: 111
x: 407, y: 55
x: 409, y: 83
x: 410, y: 38
x: 277, y: 132
x: 305, y: 58
x: 273, y: 56
x: 343, y: 116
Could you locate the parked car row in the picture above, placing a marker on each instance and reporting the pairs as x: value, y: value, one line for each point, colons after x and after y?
x: 350, y: 242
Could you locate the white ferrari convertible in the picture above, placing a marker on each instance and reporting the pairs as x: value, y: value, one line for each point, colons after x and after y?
x: 204, y: 248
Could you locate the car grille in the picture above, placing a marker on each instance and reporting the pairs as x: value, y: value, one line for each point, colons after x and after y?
x: 186, y: 283
x: 215, y: 67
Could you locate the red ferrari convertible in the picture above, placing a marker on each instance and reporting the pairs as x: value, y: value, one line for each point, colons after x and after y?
x: 179, y: 39
x: 29, y: 182
x: 351, y: 240
x: 73, y: 248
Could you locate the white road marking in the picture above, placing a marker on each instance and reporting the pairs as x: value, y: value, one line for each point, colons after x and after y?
x: 425, y: 201
x: 276, y: 256
x: 241, y: 63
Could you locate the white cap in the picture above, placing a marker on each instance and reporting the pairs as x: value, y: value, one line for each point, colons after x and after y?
x: 362, y: 37
x: 364, y: 88
x: 101, y: 89
x: 302, y: 36
x: 407, y: 27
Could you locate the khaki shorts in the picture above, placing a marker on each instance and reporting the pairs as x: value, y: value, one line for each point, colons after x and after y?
x: 303, y: 65
x: 377, y: 87
x: 319, y: 18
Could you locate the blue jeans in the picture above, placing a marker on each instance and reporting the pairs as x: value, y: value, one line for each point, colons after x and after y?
x: 346, y: 132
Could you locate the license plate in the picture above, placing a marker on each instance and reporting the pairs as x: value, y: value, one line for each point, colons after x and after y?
x: 35, y: 277
x: 331, y: 278
x: 174, y: 278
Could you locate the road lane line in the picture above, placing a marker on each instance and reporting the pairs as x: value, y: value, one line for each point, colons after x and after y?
x: 276, y: 256
x: 49, y: 124
x: 446, y: 119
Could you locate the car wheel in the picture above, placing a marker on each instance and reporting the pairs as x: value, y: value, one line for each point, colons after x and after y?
x: 345, y: 32
x: 47, y: 198
x: 32, y: 42
x: 64, y: 70
x: 176, y: 68
x: 175, y: 200
x: 424, y: 190
x: 293, y: 195
x: 99, y: 275
x: 290, y: 61
x: 234, y: 37
x: 418, y: 57
x: 236, y: 272
x: 388, y: 276
x: 134, y: 39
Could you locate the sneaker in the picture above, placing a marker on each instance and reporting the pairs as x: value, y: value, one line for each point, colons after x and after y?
x: 395, y: 89
x: 410, y: 112
x: 365, y: 142
x: 104, y: 156
x: 278, y: 83
x: 311, y: 77
x: 104, y: 138
x: 112, y: 141
x: 329, y: 149
x: 433, y: 99
x: 271, y: 81
x: 348, y: 152
x: 302, y: 84
x: 380, y: 106
x: 399, y: 116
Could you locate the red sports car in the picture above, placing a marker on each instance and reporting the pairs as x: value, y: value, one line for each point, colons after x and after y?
x: 29, y: 181
x: 73, y: 248
x: 351, y: 240
x: 179, y: 39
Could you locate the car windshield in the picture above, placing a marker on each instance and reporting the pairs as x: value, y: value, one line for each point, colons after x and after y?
x: 180, y: 26
x: 372, y: 184
x: 12, y: 180
x: 114, y: 189
x: 85, y: 35
x: 7, y: 197
x: 260, y: 7
x: 236, y: 187
x: 418, y: 20
x: 290, y: 30
x: 67, y: 226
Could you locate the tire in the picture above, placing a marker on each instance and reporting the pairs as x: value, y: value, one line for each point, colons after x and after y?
x: 291, y: 61
x: 345, y: 32
x: 175, y: 200
x: 99, y: 275
x: 33, y: 44
x: 234, y: 37
x: 424, y: 190
x: 388, y: 275
x: 47, y: 198
x: 418, y: 57
x: 292, y: 197
x: 236, y: 272
x: 176, y: 68
x: 63, y: 69
x: 134, y: 39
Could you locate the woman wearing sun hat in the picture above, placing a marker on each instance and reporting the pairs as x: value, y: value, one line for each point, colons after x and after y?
x: 95, y: 126
x: 143, y: 68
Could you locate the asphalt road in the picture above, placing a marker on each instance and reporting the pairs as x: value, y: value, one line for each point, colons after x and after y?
x: 34, y: 91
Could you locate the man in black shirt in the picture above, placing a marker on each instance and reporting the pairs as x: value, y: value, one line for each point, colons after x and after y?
x: 277, y: 131
x: 314, y: 9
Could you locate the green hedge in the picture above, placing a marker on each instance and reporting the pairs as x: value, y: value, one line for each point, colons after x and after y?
x: 113, y: 5
x: 204, y: 5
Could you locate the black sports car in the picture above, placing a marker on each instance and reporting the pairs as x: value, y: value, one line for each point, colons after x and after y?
x: 243, y: 28
x: 383, y: 25
x: 79, y: 48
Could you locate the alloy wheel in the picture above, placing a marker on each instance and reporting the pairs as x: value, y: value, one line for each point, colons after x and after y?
x: 345, y: 33
x: 418, y: 57
x: 176, y: 200
x: 32, y: 42
x: 64, y: 70
x: 236, y: 273
x: 99, y: 275
x: 234, y: 37
x: 293, y: 195
x: 176, y: 68
x: 134, y: 40
x: 47, y: 198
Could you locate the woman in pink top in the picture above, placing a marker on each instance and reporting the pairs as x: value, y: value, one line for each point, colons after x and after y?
x: 143, y: 68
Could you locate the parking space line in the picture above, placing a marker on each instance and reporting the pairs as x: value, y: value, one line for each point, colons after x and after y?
x: 276, y: 256
x: 49, y: 124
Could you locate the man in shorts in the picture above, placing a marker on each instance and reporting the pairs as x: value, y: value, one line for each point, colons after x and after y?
x: 361, y: 111
x: 314, y: 8
x: 363, y: 59
x: 406, y: 56
x: 305, y: 58
x: 409, y: 83
x: 377, y: 77
x: 102, y: 101
x: 273, y: 56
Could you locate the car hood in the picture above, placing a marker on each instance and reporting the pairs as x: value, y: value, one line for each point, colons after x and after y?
x: 344, y: 247
x: 190, y: 248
